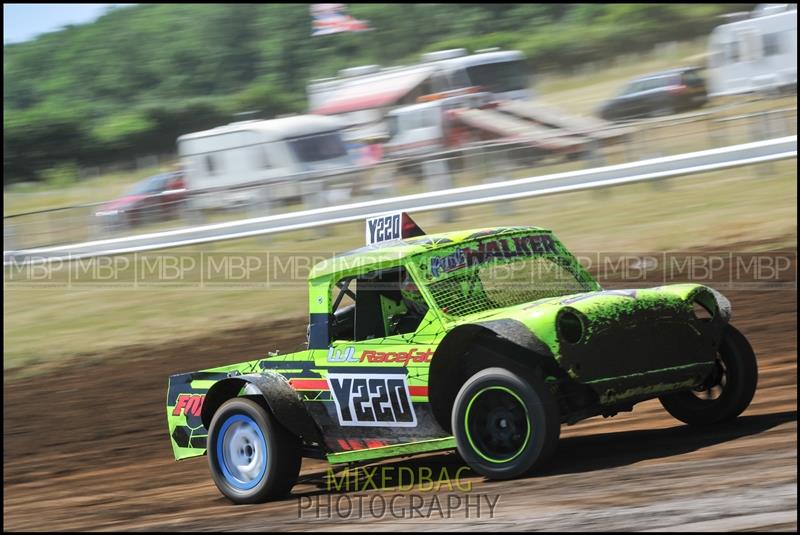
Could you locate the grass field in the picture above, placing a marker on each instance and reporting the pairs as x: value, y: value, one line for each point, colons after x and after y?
x: 44, y: 322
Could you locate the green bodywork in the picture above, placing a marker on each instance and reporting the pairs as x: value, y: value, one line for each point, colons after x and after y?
x: 515, y: 275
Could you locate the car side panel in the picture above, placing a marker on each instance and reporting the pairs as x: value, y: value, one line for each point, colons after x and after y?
x: 186, y: 396
x: 371, y: 393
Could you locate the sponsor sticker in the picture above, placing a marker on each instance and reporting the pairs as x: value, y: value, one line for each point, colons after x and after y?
x: 516, y: 247
x: 346, y: 354
x: 372, y: 400
x: 397, y: 357
x: 189, y: 405
x: 374, y: 356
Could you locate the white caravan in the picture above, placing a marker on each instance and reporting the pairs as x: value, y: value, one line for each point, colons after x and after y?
x: 758, y: 54
x: 275, y: 153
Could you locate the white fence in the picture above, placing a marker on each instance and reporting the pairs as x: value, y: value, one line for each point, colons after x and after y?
x: 474, y: 164
x: 652, y: 169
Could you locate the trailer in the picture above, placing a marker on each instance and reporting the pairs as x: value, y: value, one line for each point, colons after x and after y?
x: 362, y: 96
x: 538, y: 130
x: 452, y: 99
x: 758, y: 54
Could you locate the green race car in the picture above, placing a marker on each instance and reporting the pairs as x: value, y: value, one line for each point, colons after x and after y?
x: 485, y: 341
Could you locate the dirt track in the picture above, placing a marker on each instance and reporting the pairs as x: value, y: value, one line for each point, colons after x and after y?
x: 87, y: 449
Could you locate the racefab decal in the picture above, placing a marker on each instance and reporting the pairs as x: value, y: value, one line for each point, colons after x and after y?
x: 371, y: 356
x: 485, y: 251
x: 372, y: 400
x: 399, y: 357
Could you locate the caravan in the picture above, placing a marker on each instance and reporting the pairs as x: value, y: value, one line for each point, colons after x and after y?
x: 758, y: 54
x: 274, y: 154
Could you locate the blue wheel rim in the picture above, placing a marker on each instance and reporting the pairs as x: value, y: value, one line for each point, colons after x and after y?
x: 242, y: 452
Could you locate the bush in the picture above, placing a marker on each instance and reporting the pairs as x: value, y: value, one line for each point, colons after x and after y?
x: 265, y: 99
x: 61, y: 175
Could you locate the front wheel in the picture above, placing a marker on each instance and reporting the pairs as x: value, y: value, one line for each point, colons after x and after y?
x: 251, y: 456
x: 727, y: 391
x: 504, y: 425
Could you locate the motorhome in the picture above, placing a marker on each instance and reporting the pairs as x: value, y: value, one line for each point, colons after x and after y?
x: 758, y: 54
x: 274, y: 153
x: 430, y: 126
x: 363, y: 96
x: 450, y: 99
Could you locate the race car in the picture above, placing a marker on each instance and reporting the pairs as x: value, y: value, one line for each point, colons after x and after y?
x: 485, y: 341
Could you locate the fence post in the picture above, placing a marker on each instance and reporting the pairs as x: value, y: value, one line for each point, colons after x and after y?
x: 474, y: 163
x: 9, y: 237
x: 711, y: 133
x: 788, y: 123
x: 95, y: 226
x: 261, y: 205
x: 642, y: 141
x: 629, y: 147
x: 501, y: 167
x: 777, y: 126
x: 766, y: 117
x: 314, y: 197
x: 592, y: 156
x: 382, y: 183
x: 437, y: 178
x: 192, y: 211
x: 50, y: 230
x: 506, y: 167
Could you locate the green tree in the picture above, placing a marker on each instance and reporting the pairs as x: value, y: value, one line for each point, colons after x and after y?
x: 139, y: 76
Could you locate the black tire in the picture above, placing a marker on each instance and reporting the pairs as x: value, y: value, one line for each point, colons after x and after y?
x: 275, y: 475
x: 734, y: 380
x: 524, y: 418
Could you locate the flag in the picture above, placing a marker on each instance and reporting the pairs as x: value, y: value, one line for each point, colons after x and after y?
x: 333, y: 18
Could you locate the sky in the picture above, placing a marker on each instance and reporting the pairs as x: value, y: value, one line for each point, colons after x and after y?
x: 22, y: 22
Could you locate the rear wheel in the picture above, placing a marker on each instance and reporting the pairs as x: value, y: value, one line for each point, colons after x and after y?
x: 251, y: 456
x: 504, y: 425
x: 727, y: 391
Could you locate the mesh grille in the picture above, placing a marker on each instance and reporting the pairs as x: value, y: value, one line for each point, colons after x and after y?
x: 498, y: 285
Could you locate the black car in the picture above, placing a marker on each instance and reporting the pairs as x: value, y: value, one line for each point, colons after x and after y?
x: 657, y: 94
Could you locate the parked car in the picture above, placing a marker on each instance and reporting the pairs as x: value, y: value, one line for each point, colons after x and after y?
x: 157, y: 198
x: 657, y: 94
